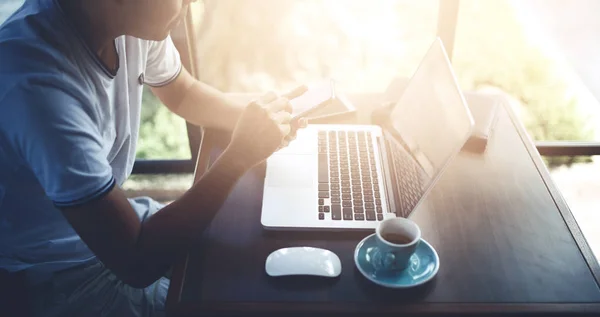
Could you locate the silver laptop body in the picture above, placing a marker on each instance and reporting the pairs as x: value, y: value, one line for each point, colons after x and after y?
x: 347, y: 177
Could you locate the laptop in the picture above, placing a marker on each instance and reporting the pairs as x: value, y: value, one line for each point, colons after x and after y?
x: 351, y: 177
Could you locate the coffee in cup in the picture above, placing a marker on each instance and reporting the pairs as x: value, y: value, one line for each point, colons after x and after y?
x: 397, y: 240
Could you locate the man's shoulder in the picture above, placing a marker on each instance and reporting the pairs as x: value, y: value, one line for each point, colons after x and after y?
x: 40, y: 99
x: 39, y: 83
x: 41, y: 104
x: 33, y: 69
x: 32, y: 43
x: 32, y: 22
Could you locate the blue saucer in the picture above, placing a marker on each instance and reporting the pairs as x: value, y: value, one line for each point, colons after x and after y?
x: 424, y: 265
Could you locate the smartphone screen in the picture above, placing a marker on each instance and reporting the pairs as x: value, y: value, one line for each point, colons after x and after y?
x: 317, y: 95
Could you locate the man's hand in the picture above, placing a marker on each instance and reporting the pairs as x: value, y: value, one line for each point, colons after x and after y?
x: 205, y: 106
x: 295, y: 126
x: 263, y: 127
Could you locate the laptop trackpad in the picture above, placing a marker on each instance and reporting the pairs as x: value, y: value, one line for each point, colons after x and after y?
x: 297, y: 171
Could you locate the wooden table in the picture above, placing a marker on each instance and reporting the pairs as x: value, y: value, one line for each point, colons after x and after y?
x: 506, y: 239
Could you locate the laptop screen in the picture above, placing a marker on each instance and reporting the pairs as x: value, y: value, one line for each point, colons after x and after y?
x: 431, y: 118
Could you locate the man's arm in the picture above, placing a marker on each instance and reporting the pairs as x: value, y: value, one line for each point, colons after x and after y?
x: 199, y: 103
x: 140, y: 252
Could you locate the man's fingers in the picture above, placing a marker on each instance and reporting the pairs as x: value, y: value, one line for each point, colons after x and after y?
x: 296, y: 92
x: 290, y: 137
x: 285, y: 129
x: 268, y: 97
x: 281, y: 104
x: 282, y: 117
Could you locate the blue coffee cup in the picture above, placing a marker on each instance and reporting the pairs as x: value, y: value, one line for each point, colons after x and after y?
x: 397, y: 240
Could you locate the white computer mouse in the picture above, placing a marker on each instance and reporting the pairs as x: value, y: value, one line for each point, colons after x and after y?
x: 303, y: 261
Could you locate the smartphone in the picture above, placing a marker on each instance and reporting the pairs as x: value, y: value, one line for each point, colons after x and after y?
x: 318, y: 96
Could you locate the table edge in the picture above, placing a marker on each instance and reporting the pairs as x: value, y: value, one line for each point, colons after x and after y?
x: 568, y: 309
x: 559, y: 201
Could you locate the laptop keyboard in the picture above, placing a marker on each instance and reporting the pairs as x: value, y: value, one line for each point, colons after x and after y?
x: 348, y: 181
x: 408, y: 180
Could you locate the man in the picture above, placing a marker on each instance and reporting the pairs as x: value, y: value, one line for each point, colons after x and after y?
x: 71, y: 78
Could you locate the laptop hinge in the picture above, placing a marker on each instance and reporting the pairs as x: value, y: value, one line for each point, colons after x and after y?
x: 388, y: 177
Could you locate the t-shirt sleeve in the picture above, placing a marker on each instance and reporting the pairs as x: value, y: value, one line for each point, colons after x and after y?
x: 56, y: 137
x: 163, y: 63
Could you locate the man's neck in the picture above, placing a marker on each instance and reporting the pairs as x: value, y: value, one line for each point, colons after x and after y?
x: 89, y: 19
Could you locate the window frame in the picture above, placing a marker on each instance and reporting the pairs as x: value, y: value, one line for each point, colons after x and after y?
x: 446, y: 31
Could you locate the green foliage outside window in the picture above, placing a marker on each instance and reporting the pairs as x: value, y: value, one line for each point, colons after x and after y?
x: 491, y: 50
x: 162, y: 134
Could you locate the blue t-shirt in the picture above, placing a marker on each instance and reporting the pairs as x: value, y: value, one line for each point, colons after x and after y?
x: 68, y: 130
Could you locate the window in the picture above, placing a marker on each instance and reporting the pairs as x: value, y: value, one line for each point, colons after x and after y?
x: 580, y: 184
x: 163, y: 135
x: 361, y: 44
x: 515, y: 47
